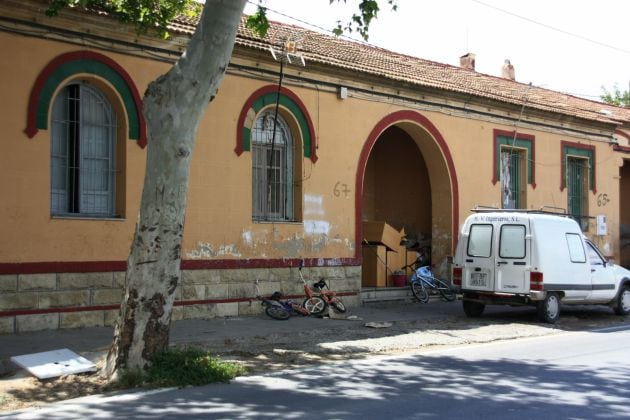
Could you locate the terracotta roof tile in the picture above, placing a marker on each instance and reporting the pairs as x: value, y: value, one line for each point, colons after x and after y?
x: 361, y: 57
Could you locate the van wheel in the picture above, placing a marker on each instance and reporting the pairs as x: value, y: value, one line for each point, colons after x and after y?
x: 622, y: 306
x: 473, y: 309
x: 549, y: 309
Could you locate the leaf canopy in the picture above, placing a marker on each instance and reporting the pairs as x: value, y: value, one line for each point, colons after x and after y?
x: 616, y: 97
x: 157, y: 14
x: 145, y: 14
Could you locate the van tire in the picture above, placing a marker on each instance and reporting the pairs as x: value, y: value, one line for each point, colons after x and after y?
x: 473, y: 309
x: 549, y: 308
x: 622, y: 304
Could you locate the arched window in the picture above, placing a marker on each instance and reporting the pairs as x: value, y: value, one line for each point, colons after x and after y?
x: 272, y: 168
x: 83, y: 153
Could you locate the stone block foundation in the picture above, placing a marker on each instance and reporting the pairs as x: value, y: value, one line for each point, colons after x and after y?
x: 45, y: 301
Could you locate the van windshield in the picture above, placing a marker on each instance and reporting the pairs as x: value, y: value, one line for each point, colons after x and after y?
x: 480, y: 241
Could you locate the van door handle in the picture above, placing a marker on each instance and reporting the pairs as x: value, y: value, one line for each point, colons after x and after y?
x: 501, y: 262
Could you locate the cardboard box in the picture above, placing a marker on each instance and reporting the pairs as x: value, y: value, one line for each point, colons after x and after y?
x: 374, y: 270
x: 382, y: 234
x: 396, y: 259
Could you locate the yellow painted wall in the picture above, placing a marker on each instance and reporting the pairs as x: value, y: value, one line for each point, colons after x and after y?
x: 218, y: 221
x: 28, y: 231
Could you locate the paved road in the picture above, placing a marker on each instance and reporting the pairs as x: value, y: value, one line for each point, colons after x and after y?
x: 576, y: 375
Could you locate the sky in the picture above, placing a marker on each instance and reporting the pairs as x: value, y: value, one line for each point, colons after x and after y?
x: 572, y: 46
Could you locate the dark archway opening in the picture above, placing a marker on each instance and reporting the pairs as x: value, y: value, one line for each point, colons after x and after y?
x: 396, y: 193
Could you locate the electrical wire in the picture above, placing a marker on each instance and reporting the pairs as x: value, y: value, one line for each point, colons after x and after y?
x: 552, y: 28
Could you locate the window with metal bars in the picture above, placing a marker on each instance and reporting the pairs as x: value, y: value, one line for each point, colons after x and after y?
x: 272, y: 169
x: 577, y: 189
x: 513, y: 178
x: 83, y: 153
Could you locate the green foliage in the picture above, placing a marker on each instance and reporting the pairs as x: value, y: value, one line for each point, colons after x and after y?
x: 368, y: 10
x: 145, y: 14
x: 181, y: 367
x: 258, y: 22
x: 156, y: 14
x: 616, y: 97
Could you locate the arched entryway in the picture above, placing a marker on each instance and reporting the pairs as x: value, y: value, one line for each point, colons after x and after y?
x: 406, y: 180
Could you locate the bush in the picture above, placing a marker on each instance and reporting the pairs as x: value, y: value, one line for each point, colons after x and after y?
x: 180, y: 367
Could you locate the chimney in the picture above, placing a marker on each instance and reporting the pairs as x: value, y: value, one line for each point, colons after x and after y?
x: 467, y: 61
x: 507, y: 72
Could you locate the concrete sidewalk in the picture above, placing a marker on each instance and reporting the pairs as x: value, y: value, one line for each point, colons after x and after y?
x: 263, y: 345
x: 92, y: 343
x: 410, y: 326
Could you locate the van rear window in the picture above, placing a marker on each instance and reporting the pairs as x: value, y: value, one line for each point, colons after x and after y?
x: 480, y: 241
x: 512, y: 242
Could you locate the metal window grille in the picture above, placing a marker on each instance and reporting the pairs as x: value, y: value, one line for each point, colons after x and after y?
x: 83, y: 153
x: 512, y: 178
x: 577, y: 189
x: 272, y: 169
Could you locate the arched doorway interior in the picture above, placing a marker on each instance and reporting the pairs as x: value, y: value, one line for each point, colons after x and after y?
x: 408, y: 182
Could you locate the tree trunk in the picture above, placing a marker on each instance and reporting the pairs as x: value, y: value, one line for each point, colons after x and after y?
x: 173, y: 106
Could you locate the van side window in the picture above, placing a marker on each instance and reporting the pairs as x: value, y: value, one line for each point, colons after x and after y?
x: 512, y: 241
x: 480, y: 241
x: 576, y: 248
x: 593, y: 256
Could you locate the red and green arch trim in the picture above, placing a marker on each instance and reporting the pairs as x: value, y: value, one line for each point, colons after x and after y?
x: 65, y: 66
x: 266, y: 96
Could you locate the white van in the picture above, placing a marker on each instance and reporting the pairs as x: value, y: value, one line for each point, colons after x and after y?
x: 525, y: 257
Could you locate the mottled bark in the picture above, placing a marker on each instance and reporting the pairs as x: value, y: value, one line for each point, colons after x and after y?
x: 173, y: 107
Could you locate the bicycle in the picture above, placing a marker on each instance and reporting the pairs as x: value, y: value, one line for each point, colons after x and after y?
x: 329, y: 296
x: 323, y: 294
x: 278, y: 308
x: 315, y: 304
x: 424, y: 284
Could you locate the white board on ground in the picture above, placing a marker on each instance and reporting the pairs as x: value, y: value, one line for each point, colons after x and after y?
x: 49, y: 364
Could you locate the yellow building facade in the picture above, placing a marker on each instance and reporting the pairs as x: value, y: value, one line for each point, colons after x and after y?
x: 279, y: 174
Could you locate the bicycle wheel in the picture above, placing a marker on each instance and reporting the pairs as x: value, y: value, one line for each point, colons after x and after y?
x: 314, y: 305
x: 445, y: 290
x: 277, y: 312
x: 338, y: 306
x: 419, y: 292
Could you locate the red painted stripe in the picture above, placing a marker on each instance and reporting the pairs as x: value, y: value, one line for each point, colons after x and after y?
x: 114, y: 307
x: 62, y: 267
x: 107, y: 266
x: 270, y: 263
